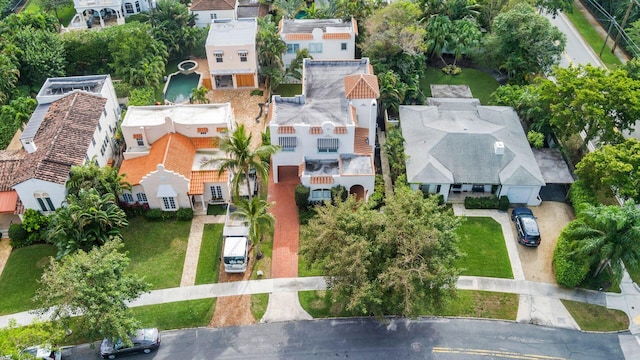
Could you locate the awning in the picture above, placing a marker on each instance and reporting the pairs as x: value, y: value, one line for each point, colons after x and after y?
x: 8, y: 200
x: 165, y: 190
x: 287, y: 141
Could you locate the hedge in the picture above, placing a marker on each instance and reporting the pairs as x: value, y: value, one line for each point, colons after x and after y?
x: 568, y: 271
x: 487, y: 202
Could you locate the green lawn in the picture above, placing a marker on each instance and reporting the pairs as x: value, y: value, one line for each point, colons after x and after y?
x: 635, y: 276
x: 259, y: 304
x: 596, y: 318
x: 19, y: 279
x: 157, y: 250
x: 288, y: 90
x: 65, y: 14
x: 210, y: 250
x: 486, y: 252
x: 480, y: 304
x: 176, y: 315
x: 592, y: 38
x: 482, y: 85
x: 216, y: 210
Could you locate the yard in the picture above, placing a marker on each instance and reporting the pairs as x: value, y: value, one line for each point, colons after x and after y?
x: 486, y: 253
x: 482, y: 85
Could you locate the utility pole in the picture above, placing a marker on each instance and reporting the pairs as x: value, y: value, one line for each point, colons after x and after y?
x: 624, y: 22
x: 613, y: 20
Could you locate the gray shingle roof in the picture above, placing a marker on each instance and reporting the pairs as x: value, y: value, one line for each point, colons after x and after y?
x: 452, y: 141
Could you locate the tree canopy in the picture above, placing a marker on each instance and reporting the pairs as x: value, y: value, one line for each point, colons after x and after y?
x: 105, y: 179
x: 614, y: 166
x: 523, y: 43
x: 270, y: 48
x: 94, y: 284
x: 399, y: 260
x: 90, y: 219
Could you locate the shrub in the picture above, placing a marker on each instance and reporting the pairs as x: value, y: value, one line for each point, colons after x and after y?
x: 19, y: 237
x: 302, y: 196
x: 376, y: 200
x: 257, y: 92
x: 184, y: 214
x: 487, y: 202
x: 339, y: 193
x: 569, y: 272
x: 154, y: 215
x: 503, y: 204
x: 135, y: 209
x: 580, y: 195
x: 35, y: 225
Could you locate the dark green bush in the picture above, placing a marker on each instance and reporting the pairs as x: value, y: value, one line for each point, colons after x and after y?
x: 35, y: 224
x: 580, y: 195
x: 184, y: 214
x: 154, y: 215
x: 19, y: 237
x: 503, y: 204
x: 569, y: 271
x: 302, y: 196
x: 376, y: 200
x: 487, y: 202
x: 339, y: 193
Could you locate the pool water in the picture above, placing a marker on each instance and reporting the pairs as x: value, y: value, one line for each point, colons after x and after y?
x: 180, y: 86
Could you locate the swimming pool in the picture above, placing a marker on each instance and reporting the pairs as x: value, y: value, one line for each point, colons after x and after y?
x: 179, y: 87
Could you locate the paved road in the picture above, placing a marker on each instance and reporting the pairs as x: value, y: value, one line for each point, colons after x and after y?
x: 577, y: 51
x: 369, y: 339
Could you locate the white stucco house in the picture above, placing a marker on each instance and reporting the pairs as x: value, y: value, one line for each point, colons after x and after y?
x: 208, y: 10
x: 327, y: 133
x: 326, y: 39
x: 89, y: 11
x: 232, y: 55
x: 456, y: 145
x: 166, y: 151
x: 75, y: 122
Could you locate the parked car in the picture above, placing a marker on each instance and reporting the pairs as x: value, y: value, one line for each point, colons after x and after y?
x: 144, y: 340
x: 41, y: 352
x: 526, y: 226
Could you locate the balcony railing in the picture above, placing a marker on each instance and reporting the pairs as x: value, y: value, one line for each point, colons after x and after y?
x: 92, y: 3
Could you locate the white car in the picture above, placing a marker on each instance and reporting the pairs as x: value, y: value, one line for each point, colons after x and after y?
x: 43, y: 352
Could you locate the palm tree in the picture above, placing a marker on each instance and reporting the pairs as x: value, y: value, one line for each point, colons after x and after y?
x: 199, y: 95
x: 288, y: 8
x: 438, y: 35
x: 260, y: 220
x: 392, y: 90
x: 270, y: 48
x: 241, y: 159
x: 607, y: 236
x: 105, y: 180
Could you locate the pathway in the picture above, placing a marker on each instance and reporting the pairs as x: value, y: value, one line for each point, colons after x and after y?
x: 193, y: 246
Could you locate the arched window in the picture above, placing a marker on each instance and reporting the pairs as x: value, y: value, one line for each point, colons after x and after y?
x: 44, y: 201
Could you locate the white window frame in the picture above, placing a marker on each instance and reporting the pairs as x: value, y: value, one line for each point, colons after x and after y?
x: 320, y: 194
x: 216, y: 192
x: 44, y: 200
x: 169, y: 203
x: 325, y: 148
x: 315, y: 48
x: 219, y: 55
x: 142, y: 198
x: 288, y: 143
x: 293, y: 48
x: 243, y: 54
x: 127, y: 197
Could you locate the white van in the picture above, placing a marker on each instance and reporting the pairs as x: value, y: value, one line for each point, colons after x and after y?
x: 235, y: 254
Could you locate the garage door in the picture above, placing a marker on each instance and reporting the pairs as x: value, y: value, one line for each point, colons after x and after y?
x: 245, y: 80
x: 519, y: 194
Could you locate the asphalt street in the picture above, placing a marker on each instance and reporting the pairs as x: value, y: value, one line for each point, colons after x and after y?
x: 355, y: 338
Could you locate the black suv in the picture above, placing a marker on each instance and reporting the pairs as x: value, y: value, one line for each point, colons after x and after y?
x: 526, y: 226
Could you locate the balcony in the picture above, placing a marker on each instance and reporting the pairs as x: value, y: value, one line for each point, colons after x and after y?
x: 97, y: 3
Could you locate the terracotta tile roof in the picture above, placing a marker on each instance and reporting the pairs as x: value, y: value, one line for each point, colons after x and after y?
x: 331, y: 36
x: 360, y: 145
x: 340, y: 130
x: 8, y: 200
x: 315, y: 130
x: 361, y: 86
x: 285, y: 129
x: 321, y: 180
x: 205, y: 142
x: 174, y: 151
x: 199, y: 178
x: 203, y: 5
x: 63, y: 138
x: 298, y: 36
x: 9, y: 163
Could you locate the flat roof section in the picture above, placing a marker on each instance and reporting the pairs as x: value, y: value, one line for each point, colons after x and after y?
x: 296, y: 26
x: 552, y: 166
x: 357, y: 165
x: 179, y: 114
x: 232, y: 32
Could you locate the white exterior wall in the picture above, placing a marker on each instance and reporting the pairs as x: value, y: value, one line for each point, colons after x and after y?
x: 331, y: 48
x: 27, y: 189
x: 204, y: 17
x: 533, y: 198
x: 226, y: 191
x: 152, y: 181
x: 444, y: 189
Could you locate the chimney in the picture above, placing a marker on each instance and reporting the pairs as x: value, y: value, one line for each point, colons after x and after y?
x: 29, y: 145
x: 498, y: 148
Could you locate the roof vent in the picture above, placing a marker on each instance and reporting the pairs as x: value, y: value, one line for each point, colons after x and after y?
x: 498, y: 148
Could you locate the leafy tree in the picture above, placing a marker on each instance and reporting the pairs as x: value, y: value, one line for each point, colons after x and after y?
x: 392, y: 90
x: 270, y: 48
x: 523, y: 43
x: 41, y: 55
x: 35, y: 224
x: 554, y: 7
x: 13, y: 116
x: 607, y: 236
x: 532, y: 108
x: 88, y: 51
x: 104, y: 180
x: 9, y: 73
x: 23, y: 20
x: 95, y: 284
x: 241, y: 159
x: 89, y: 220
x: 173, y: 24
x: 397, y: 261
x: 141, y: 96
x: 603, y: 103
x: 394, y: 147
x: 14, y: 338
x: 138, y: 58
x: 288, y: 8
x: 199, y: 95
x: 295, y: 68
x: 55, y: 5
x: 613, y: 166
x: 257, y: 215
